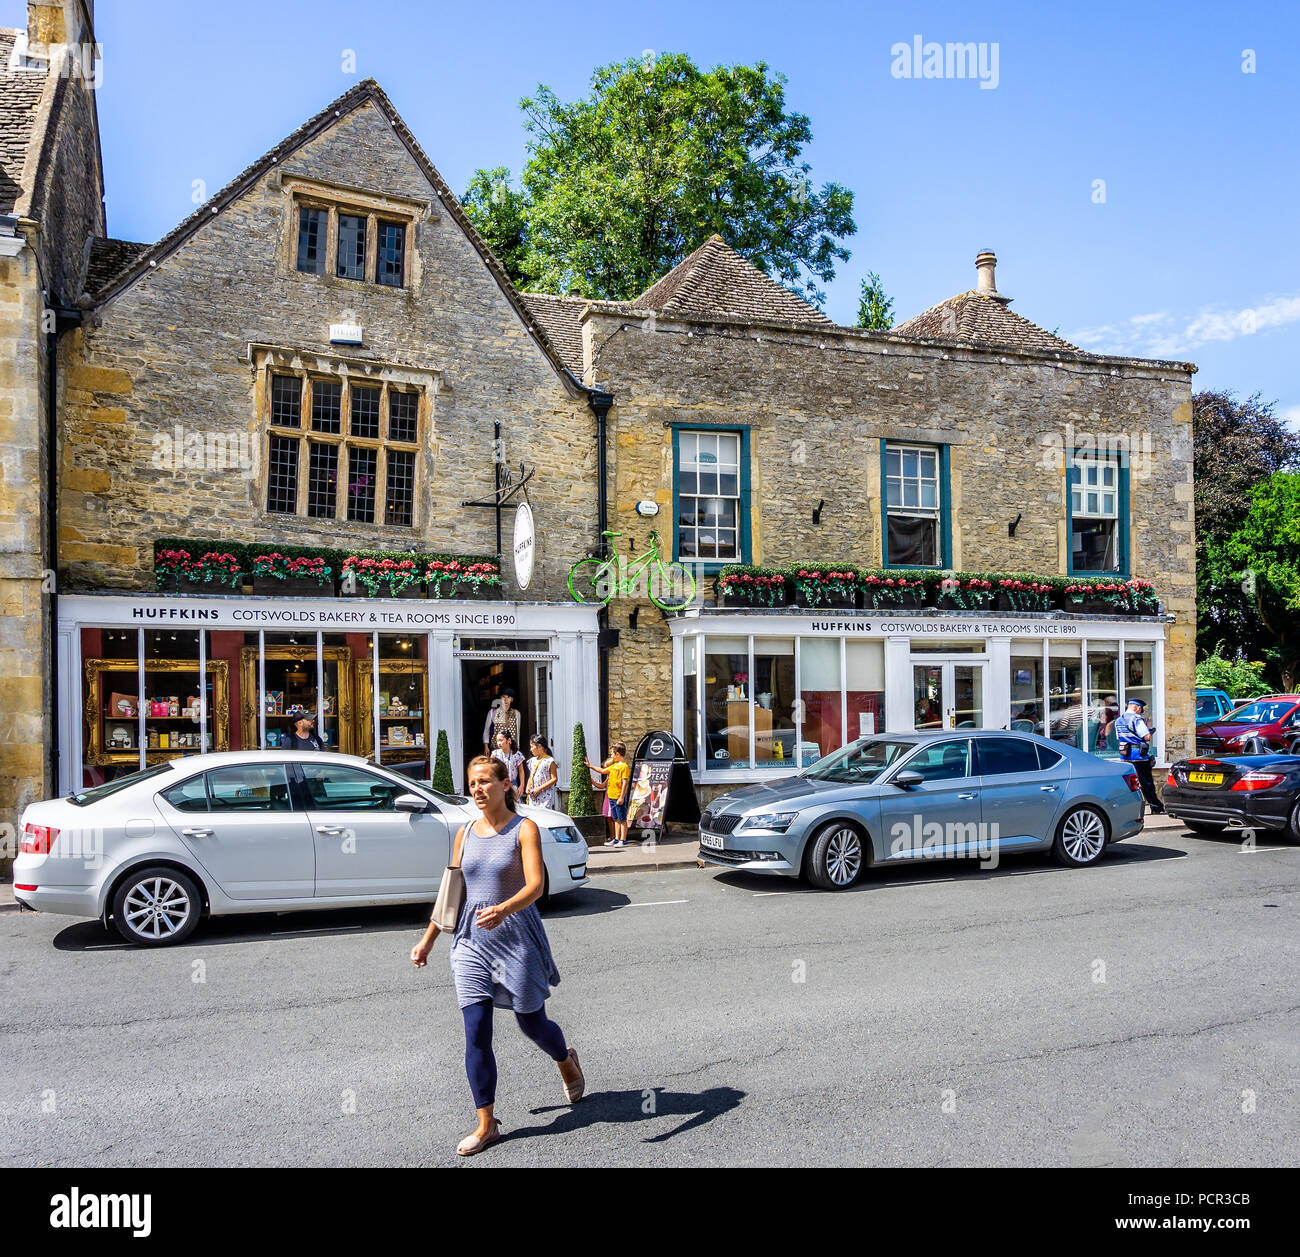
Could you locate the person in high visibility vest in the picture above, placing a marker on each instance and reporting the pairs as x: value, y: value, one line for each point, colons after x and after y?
x: 1134, y: 737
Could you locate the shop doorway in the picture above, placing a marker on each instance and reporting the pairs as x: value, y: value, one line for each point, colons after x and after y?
x: 483, y: 683
x: 948, y: 694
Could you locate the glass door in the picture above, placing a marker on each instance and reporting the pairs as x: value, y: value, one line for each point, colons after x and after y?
x: 948, y: 694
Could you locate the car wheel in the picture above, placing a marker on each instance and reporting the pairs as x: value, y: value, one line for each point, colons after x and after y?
x: 1080, y: 837
x: 835, y: 857
x: 1292, y: 830
x: 157, y: 906
x: 1205, y: 827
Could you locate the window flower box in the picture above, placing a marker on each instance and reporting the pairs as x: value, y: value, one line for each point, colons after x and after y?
x: 450, y: 578
x: 176, y: 572
x: 1023, y: 593
x: 751, y: 587
x: 286, y: 576
x: 965, y: 593
x: 1097, y: 597
x: 383, y: 578
x: 882, y: 591
x: 823, y: 585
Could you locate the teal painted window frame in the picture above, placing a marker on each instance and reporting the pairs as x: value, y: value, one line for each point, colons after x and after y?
x: 743, y: 523
x: 945, y: 506
x: 1121, y: 523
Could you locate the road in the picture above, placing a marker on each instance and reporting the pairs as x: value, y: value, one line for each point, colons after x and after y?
x: 1143, y: 1012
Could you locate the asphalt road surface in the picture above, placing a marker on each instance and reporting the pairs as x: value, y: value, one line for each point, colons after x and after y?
x: 1144, y: 1012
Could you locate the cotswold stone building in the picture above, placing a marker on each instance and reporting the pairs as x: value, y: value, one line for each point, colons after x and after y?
x: 325, y: 362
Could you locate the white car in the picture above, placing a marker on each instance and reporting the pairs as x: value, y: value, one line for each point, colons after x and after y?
x: 260, y: 831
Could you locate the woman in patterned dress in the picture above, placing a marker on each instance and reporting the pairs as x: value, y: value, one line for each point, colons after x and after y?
x: 500, y: 955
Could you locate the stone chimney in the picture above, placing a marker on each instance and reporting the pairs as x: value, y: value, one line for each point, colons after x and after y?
x: 985, y: 265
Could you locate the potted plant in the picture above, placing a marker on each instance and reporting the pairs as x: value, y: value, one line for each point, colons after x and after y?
x: 742, y: 586
x: 1142, y: 597
x: 291, y: 575
x: 1096, y: 597
x: 823, y: 584
x: 581, y: 805
x: 442, y: 781
x: 964, y: 591
x: 456, y: 578
x: 1023, y: 593
x: 892, y: 591
x: 383, y: 577
x: 212, y: 572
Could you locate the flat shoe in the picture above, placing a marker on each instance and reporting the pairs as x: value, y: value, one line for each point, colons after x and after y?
x: 573, y: 1091
x: 472, y: 1143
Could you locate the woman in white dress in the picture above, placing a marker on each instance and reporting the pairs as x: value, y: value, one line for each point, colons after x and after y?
x: 543, y: 775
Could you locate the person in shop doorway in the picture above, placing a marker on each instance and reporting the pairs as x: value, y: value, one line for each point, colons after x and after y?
x: 513, y: 759
x: 304, y: 736
x: 500, y: 955
x: 502, y: 717
x: 543, y: 775
x: 1134, y: 736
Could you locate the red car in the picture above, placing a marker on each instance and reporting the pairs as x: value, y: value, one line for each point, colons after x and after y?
x: 1261, y: 726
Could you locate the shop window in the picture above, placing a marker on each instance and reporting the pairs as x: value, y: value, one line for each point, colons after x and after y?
x: 1098, y: 514
x: 864, y: 687
x: 394, y: 708
x: 726, y: 699
x: 1027, y: 687
x: 821, y: 693
x: 1065, y: 693
x: 711, y: 494
x: 691, y: 697
x: 775, y: 744
x: 915, y: 532
x: 1139, y: 678
x: 1103, y: 699
x: 324, y: 472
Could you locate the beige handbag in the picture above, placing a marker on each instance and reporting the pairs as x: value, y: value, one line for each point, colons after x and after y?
x: 451, y: 899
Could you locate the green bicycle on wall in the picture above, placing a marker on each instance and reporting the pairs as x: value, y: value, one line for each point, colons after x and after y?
x: 670, y: 586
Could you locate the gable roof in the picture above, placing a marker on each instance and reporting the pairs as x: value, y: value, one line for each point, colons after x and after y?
x: 981, y: 318
x: 715, y: 279
x: 561, y: 317
x: 364, y: 93
x: 20, y: 97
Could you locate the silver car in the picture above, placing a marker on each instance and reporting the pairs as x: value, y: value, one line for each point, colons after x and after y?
x: 944, y: 794
x: 252, y: 831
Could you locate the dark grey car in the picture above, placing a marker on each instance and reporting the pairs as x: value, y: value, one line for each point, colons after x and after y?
x: 935, y: 795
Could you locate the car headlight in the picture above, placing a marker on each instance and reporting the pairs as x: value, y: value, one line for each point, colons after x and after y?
x: 568, y: 833
x: 778, y: 821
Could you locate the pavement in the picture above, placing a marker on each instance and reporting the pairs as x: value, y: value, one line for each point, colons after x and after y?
x: 1141, y: 1012
x: 678, y: 849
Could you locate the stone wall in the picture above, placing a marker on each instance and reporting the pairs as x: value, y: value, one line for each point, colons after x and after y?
x: 818, y: 405
x: 173, y: 349
x: 24, y: 648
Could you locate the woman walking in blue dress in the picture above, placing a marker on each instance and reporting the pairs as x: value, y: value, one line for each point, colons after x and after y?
x: 500, y: 956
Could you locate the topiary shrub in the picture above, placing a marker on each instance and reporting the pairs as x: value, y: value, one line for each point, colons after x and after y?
x: 442, y: 781
x: 582, y: 799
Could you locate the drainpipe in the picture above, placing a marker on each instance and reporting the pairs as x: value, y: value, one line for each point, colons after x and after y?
x: 65, y: 317
x: 600, y: 401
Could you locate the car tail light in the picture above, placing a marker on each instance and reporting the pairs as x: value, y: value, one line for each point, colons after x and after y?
x: 1171, y: 782
x: 1258, y: 781
x: 38, y: 839
x: 1132, y: 780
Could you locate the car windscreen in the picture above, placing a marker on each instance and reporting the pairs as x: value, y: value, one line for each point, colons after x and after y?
x: 1258, y: 713
x: 82, y: 798
x: 860, y: 762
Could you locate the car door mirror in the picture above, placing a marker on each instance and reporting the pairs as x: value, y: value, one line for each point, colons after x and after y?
x: 410, y: 803
x: 907, y: 779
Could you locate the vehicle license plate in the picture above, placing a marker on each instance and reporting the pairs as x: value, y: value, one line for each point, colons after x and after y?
x: 1205, y: 779
x: 710, y: 840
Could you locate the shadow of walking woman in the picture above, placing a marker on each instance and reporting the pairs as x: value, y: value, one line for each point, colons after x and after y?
x: 623, y: 1107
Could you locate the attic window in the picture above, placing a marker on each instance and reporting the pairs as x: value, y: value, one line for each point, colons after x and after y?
x: 353, y: 241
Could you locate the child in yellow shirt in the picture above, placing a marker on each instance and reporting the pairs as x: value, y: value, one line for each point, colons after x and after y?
x: 617, y: 772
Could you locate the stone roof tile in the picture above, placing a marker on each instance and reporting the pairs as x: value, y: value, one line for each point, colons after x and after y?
x: 20, y: 94
x: 982, y: 319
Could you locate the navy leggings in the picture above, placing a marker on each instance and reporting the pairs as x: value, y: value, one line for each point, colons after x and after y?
x: 481, y: 1064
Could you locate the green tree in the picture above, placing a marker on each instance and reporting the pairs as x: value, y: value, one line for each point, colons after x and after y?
x: 582, y: 799
x: 875, y: 309
x: 1237, y: 678
x: 623, y: 184
x: 1235, y: 445
x: 1262, y: 557
x: 500, y: 214
x: 442, y: 766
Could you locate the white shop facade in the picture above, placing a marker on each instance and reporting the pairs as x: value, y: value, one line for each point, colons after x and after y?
x: 759, y: 694
x: 145, y: 678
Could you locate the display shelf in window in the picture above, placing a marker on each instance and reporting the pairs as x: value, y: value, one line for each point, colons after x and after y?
x: 170, y: 704
x: 403, y: 709
x: 291, y: 689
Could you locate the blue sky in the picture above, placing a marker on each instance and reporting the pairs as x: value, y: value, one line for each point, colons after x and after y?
x: 1193, y: 253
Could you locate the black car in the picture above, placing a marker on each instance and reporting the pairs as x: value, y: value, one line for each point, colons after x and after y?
x: 1250, y: 791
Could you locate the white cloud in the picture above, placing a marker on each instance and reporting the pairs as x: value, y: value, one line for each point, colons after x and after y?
x: 1164, y: 335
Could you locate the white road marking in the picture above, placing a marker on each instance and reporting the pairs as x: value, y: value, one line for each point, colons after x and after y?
x: 660, y: 903
x: 1252, y: 850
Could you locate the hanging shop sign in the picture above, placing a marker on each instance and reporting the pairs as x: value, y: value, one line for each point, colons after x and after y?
x: 525, y: 545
